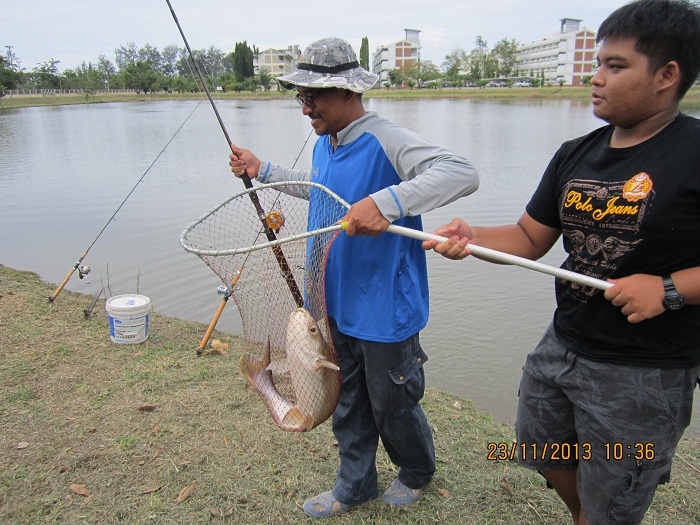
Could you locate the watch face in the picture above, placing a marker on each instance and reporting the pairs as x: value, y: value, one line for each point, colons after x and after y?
x: 673, y: 301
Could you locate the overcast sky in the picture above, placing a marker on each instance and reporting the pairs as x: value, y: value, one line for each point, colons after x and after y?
x: 74, y: 31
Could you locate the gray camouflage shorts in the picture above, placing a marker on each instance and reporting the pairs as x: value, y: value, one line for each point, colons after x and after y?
x: 617, y: 425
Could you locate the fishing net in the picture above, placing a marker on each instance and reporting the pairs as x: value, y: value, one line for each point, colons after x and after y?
x: 257, y: 243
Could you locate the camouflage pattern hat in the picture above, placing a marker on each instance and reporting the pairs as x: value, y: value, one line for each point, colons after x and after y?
x: 329, y: 63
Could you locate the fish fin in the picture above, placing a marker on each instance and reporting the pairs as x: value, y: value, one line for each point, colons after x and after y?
x: 324, y: 363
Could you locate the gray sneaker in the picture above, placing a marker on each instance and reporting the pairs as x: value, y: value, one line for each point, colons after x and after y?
x: 400, y: 495
x: 324, y: 506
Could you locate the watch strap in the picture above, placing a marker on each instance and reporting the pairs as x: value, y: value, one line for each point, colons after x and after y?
x: 672, y: 300
x: 668, y: 283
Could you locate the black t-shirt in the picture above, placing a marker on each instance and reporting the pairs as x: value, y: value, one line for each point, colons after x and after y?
x: 625, y: 211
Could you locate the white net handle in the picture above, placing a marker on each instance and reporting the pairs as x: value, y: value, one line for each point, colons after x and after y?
x: 506, y: 258
x: 480, y: 251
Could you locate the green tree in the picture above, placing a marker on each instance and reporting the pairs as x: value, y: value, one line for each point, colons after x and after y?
x: 475, y: 72
x: 214, y: 63
x: 46, y: 75
x: 125, y: 55
x: 421, y: 72
x: 491, y: 66
x: 151, y: 56
x: 250, y: 84
x: 88, y: 77
x: 478, y: 60
x: 183, y: 85
x: 454, y: 65
x: 396, y: 77
x: 169, y: 57
x: 106, y: 70
x: 243, y: 62
x: 264, y: 79
x: 10, y: 71
x: 364, y: 53
x: 506, y: 52
x: 69, y: 79
x: 139, y: 76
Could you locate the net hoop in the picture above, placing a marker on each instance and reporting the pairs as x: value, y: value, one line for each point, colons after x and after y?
x: 279, y: 186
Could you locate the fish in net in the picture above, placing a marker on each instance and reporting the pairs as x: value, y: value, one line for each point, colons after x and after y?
x: 257, y: 243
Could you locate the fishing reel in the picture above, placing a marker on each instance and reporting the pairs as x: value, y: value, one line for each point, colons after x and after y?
x: 223, y: 291
x: 83, y: 271
x: 275, y: 221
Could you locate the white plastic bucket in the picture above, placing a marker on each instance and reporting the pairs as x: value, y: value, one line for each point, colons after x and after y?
x: 128, y: 318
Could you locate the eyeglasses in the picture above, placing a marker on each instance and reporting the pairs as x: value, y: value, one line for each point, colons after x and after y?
x: 309, y: 100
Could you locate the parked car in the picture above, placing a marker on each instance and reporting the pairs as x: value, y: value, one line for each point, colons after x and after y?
x: 493, y: 83
x: 523, y: 84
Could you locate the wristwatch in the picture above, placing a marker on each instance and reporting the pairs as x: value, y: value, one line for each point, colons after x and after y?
x: 672, y: 299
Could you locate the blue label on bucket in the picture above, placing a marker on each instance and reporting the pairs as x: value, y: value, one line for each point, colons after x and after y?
x: 131, y: 330
x: 128, y: 318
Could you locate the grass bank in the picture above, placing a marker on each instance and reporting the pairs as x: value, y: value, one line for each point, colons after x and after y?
x: 7, y: 102
x: 99, y: 433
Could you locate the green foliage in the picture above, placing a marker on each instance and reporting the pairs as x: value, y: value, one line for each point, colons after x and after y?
x: 264, y: 79
x: 10, y: 78
x: 139, y: 76
x: 505, y: 52
x: 46, y: 75
x: 183, y: 85
x: 243, y: 62
x: 364, y: 53
x: 250, y: 84
x: 396, y: 77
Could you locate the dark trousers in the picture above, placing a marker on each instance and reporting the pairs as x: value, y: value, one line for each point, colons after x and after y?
x: 382, y: 384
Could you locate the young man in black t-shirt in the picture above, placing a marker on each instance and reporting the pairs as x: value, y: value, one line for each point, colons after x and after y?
x: 611, y: 382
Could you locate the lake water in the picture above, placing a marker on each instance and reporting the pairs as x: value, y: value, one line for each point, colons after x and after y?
x: 65, y: 170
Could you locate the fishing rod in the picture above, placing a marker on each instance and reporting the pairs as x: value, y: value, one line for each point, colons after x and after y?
x: 269, y: 233
x: 84, y: 270
x: 225, y: 291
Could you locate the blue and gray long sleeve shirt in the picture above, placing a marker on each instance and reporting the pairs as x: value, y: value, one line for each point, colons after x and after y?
x: 377, y: 287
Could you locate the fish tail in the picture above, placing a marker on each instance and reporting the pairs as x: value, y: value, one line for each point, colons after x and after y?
x: 296, y: 421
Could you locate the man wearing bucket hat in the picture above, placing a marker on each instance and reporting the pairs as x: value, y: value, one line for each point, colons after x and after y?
x: 376, y: 288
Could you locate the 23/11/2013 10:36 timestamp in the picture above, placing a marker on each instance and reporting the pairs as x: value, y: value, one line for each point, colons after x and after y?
x: 568, y: 451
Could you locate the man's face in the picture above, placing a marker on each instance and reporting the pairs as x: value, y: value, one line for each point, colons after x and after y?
x: 327, y: 109
x: 624, y: 90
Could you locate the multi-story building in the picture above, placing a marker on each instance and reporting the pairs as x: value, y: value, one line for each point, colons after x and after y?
x: 567, y: 56
x: 398, y: 55
x: 277, y: 61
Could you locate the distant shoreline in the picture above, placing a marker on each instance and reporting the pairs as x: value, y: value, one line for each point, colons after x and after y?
x: 582, y: 93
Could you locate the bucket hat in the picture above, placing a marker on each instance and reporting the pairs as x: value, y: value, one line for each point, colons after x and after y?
x: 329, y: 63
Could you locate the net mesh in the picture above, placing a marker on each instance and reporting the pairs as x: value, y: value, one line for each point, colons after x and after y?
x: 288, y: 355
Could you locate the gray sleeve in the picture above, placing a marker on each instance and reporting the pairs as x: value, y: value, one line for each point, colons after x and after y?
x: 270, y: 172
x: 431, y: 176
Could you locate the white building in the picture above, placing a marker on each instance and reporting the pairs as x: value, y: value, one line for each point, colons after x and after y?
x: 277, y: 61
x: 569, y: 55
x: 398, y: 55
